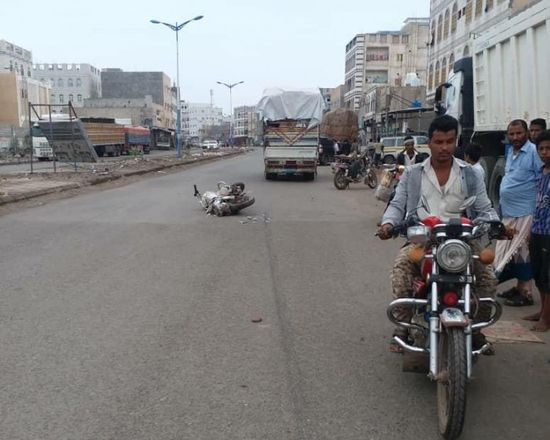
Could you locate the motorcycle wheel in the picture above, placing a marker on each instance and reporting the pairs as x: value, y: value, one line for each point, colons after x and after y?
x: 370, y: 179
x: 451, y: 384
x: 340, y: 180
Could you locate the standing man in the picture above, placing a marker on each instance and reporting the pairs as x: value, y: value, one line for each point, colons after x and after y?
x: 536, y: 127
x: 409, y: 156
x: 518, y: 192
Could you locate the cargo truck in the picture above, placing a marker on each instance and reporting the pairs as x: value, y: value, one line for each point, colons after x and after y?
x: 505, y: 79
x: 291, y: 121
x: 106, y: 136
x: 136, y: 138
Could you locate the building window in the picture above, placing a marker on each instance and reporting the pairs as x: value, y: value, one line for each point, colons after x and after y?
x: 59, y: 82
x: 78, y: 82
x: 466, y: 52
x: 61, y: 99
x: 399, y: 58
x: 52, y: 99
x: 70, y: 82
x: 451, y: 62
x: 468, y: 11
x: 395, y: 39
x: 436, y: 75
x: 439, y: 28
x: 479, y: 7
x: 77, y: 67
x: 79, y: 98
x: 446, y: 24
x: 50, y: 66
x: 71, y: 97
x: 60, y: 67
x: 444, y: 70
x: 383, y: 38
x: 405, y: 39
x: 454, y: 18
x: 69, y: 67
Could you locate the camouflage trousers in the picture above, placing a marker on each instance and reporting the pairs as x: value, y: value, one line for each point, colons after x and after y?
x: 405, y: 271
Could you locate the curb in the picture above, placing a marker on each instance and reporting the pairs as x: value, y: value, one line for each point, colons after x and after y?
x: 103, y: 179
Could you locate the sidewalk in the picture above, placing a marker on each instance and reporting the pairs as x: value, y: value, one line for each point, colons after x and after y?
x: 23, y: 186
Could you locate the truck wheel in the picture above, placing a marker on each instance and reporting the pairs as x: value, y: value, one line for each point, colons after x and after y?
x: 269, y: 176
x: 488, y: 164
x: 495, y: 180
x: 309, y: 176
x: 389, y: 159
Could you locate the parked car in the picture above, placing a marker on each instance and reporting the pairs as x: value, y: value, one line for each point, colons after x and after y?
x: 393, y: 145
x: 209, y: 145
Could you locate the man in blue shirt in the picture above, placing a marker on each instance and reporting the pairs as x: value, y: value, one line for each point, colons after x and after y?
x: 518, y: 192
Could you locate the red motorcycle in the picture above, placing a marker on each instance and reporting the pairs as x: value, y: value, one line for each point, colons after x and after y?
x: 443, y: 305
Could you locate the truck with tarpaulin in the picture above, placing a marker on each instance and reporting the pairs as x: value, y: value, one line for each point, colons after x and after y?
x: 291, y: 121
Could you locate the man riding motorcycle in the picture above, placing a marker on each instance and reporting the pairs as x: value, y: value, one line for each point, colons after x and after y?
x: 438, y: 186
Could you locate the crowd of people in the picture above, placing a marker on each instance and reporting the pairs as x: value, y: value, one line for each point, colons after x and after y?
x: 524, y: 208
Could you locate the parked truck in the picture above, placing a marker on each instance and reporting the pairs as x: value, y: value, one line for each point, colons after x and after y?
x: 106, y: 136
x: 291, y: 122
x: 338, y: 125
x: 505, y: 79
x: 136, y: 138
x: 40, y: 147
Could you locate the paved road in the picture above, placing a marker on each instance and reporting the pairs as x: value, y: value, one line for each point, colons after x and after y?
x: 127, y: 314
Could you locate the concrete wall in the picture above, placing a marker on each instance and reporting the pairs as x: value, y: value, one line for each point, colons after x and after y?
x: 141, y: 111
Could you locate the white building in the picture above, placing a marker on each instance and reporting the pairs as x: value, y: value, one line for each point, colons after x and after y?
x: 70, y: 82
x: 196, y: 117
x: 385, y: 58
x: 453, y: 25
x: 16, y: 59
x: 246, y: 123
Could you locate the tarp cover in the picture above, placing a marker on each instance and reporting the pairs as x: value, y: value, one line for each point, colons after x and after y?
x: 340, y: 124
x: 278, y: 104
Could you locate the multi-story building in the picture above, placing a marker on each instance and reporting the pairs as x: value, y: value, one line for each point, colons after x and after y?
x: 453, y: 26
x: 69, y: 82
x: 117, y: 84
x: 141, y: 111
x: 246, y: 125
x: 337, y: 97
x: 196, y: 118
x: 15, y: 59
x: 385, y: 58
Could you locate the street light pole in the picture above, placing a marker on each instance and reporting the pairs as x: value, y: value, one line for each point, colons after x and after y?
x: 176, y: 28
x: 230, y: 87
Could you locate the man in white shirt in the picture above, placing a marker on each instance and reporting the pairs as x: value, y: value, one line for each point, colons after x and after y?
x: 438, y: 186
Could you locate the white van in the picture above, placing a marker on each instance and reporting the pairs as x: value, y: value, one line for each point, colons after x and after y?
x: 393, y: 145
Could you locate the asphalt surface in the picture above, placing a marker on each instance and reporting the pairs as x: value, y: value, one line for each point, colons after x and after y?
x: 127, y: 314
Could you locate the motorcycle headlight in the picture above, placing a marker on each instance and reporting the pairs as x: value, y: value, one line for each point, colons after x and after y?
x: 453, y: 256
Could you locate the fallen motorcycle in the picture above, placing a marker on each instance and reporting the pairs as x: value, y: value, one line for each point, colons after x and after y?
x: 365, y: 172
x: 444, y: 305
x: 227, y: 200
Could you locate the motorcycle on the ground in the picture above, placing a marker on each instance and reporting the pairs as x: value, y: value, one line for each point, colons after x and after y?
x: 227, y: 200
x: 444, y: 306
x: 365, y: 171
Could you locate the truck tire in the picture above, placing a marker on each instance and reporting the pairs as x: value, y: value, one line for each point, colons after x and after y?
x: 494, y: 182
x: 269, y: 176
x: 488, y: 164
x: 388, y: 159
x: 309, y: 176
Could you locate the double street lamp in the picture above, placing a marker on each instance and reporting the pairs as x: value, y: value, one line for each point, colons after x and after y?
x: 230, y: 87
x: 176, y: 28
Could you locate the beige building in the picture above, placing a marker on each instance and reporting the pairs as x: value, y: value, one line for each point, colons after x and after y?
x: 337, y: 97
x: 16, y: 92
x: 141, y: 111
x: 453, y: 25
x: 385, y: 58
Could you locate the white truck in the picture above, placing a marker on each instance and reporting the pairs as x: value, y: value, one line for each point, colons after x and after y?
x: 505, y: 79
x: 291, y: 131
x: 41, y: 149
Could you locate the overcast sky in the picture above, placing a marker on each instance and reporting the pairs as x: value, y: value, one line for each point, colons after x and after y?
x: 276, y: 43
